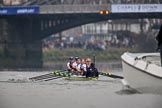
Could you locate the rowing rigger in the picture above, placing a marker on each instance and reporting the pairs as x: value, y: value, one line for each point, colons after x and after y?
x: 65, y: 73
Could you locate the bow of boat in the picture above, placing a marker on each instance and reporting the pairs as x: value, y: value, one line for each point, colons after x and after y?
x: 143, y: 71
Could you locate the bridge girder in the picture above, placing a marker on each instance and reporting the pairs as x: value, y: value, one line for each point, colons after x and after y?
x: 45, y: 25
x: 25, y: 32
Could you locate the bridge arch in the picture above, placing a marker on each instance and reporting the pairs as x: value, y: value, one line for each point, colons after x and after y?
x: 25, y: 31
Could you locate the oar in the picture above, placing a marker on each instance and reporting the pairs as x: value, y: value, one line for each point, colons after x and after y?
x: 40, y: 76
x: 58, y: 75
x: 111, y: 75
x: 45, y: 75
x: 52, y: 78
x: 55, y: 75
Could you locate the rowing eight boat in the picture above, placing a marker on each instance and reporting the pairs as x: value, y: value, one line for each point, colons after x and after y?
x: 80, y: 78
x: 69, y: 76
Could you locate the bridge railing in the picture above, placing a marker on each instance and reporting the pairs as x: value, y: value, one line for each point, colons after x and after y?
x: 58, y: 2
x: 73, y: 8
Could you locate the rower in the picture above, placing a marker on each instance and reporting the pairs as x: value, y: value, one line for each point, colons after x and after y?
x: 91, y: 70
x: 75, y: 62
x: 95, y: 72
x: 83, y: 67
x: 77, y: 65
x: 69, y: 65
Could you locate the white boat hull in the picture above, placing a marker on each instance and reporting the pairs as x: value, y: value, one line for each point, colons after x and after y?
x: 143, y: 72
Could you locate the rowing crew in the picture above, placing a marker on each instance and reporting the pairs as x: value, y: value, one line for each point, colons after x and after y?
x: 83, y: 67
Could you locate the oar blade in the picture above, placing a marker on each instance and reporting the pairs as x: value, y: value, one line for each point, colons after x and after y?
x: 50, y: 76
x: 116, y: 76
x: 111, y: 75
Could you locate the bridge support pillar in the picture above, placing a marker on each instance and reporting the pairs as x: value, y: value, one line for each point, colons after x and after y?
x: 18, y: 48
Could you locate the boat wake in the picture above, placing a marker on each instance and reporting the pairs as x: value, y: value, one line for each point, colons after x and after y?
x: 127, y: 91
x: 24, y: 80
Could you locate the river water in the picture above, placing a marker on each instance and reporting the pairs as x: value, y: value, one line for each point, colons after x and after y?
x: 16, y: 91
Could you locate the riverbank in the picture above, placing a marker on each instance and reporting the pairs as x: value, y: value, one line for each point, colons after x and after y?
x: 61, y: 55
x: 101, y: 66
x: 56, y: 59
x: 105, y: 61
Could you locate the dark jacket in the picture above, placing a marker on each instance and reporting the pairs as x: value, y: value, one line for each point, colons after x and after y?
x: 92, y: 71
x: 159, y: 37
